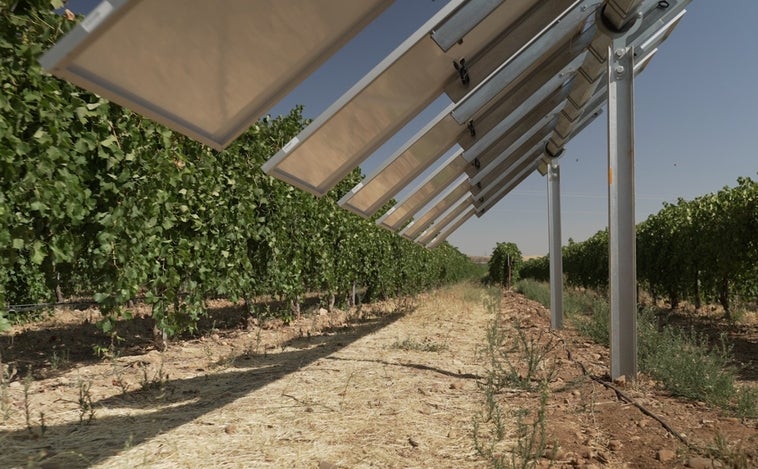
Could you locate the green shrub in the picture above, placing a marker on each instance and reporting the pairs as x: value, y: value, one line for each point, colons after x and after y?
x: 534, y: 290
x: 685, y: 362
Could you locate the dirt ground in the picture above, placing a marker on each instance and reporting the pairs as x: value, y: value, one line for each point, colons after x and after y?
x: 395, y: 385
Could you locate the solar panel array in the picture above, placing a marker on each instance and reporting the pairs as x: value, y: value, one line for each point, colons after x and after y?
x: 523, y: 77
x: 515, y: 109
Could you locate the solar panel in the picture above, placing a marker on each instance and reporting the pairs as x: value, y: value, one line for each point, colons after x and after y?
x: 395, y: 91
x: 441, y: 178
x: 429, y: 144
x: 525, y: 166
x: 208, y: 70
x: 451, y: 214
x: 451, y: 229
x: 440, y: 134
x: 531, y: 144
x: 188, y: 66
x: 448, y: 198
x: 499, y: 165
x: 512, y: 128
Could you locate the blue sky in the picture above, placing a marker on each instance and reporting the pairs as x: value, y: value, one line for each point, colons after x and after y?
x: 695, y: 123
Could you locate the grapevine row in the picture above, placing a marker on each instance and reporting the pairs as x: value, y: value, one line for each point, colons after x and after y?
x: 702, y: 250
x: 97, y: 201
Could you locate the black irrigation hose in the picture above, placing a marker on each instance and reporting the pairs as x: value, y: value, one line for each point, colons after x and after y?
x: 37, y: 306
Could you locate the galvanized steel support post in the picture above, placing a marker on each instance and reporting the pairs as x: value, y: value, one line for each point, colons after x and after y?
x: 554, y: 235
x: 621, y: 220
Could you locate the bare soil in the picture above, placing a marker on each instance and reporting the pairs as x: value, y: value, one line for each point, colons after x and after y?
x: 395, y: 385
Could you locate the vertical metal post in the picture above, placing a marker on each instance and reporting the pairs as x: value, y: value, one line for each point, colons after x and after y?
x: 554, y: 235
x: 623, y: 275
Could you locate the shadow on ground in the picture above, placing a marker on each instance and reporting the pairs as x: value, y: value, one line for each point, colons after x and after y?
x: 175, y: 403
x: 47, y: 351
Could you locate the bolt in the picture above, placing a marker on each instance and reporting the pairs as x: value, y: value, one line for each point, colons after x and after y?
x: 619, y: 69
x: 619, y: 53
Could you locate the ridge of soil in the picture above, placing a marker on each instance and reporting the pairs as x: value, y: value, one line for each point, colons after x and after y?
x: 397, y: 384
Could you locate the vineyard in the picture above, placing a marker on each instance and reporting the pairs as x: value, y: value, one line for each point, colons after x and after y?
x: 394, y: 361
x: 704, y: 251
x: 98, y: 202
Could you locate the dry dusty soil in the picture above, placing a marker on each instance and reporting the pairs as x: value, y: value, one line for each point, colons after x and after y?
x: 395, y: 385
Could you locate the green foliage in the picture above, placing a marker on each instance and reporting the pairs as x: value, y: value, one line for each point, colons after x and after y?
x: 504, y: 264
x: 530, y: 369
x: 575, y: 304
x: 705, y: 249
x: 685, y: 362
x: 536, y: 268
x: 95, y: 200
x: 746, y: 402
x: 585, y: 264
x: 596, y: 322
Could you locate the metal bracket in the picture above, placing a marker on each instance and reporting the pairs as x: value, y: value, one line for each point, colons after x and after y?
x: 607, y: 28
x: 551, y: 154
x: 462, y: 71
x: 471, y: 128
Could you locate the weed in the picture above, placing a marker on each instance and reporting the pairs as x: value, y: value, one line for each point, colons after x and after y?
x: 86, y: 407
x: 158, y: 380
x: 534, y: 290
x: 58, y: 359
x: 225, y: 361
x: 474, y: 293
x: 100, y: 351
x: 737, y: 316
x: 405, y: 304
x: 531, y: 437
x: 208, y: 351
x: 574, y: 302
x: 596, y: 322
x: 734, y: 457
x: 118, y: 377
x: 6, y: 375
x: 524, y: 364
x: 685, y: 362
x: 534, y: 353
x: 129, y: 442
x: 42, y: 426
x: 532, y: 444
x: 343, y: 394
x: 253, y: 348
x: 425, y: 345
x: 746, y: 402
x: 489, y: 430
x: 27, y: 382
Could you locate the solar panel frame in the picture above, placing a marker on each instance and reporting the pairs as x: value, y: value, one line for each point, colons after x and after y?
x: 188, y: 65
x: 426, y: 190
x: 429, y: 215
x: 354, y: 127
